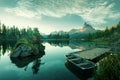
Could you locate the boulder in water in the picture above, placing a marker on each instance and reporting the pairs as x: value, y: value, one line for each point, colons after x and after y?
x: 27, y: 49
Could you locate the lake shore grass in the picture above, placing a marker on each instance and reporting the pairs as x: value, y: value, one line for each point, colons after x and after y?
x: 109, y: 68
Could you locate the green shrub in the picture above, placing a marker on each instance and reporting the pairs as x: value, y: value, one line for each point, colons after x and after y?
x: 25, y: 42
x: 109, y: 68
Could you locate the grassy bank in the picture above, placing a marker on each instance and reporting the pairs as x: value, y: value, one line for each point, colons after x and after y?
x: 109, y: 68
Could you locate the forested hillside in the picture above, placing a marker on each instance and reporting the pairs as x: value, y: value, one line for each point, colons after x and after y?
x: 111, y: 34
x: 14, y: 33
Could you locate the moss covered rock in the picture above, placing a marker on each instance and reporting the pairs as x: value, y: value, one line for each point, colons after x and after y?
x: 26, y: 48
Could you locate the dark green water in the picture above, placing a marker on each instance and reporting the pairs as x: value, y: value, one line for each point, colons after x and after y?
x: 50, y: 66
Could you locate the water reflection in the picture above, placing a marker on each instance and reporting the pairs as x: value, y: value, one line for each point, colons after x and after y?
x: 54, y: 61
x: 60, y: 43
x: 75, y: 71
x: 6, y: 45
x: 73, y: 44
x: 24, y: 62
x: 36, y: 65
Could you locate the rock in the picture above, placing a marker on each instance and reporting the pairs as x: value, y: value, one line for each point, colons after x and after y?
x: 22, y: 62
x: 16, y: 53
x: 22, y: 51
x: 25, y: 50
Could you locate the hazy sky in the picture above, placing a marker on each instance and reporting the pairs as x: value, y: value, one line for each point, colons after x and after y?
x: 51, y: 15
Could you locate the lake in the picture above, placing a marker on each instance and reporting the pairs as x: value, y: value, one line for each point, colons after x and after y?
x: 49, y: 66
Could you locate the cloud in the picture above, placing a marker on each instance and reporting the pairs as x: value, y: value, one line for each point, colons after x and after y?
x: 99, y: 14
x: 21, y: 12
x: 90, y: 10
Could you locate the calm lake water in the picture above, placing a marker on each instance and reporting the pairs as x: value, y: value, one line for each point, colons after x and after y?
x: 50, y: 66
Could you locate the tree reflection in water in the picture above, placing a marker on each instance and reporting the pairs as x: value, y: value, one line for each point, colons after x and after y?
x: 24, y: 62
x: 36, y: 65
x: 6, y: 45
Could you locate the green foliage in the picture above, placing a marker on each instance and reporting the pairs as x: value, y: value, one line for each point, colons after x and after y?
x: 4, y: 30
x: 26, y: 42
x: 22, y: 41
x: 14, y: 34
x: 109, y: 68
x: 9, y: 36
x: 109, y: 34
x: 59, y: 36
x: 36, y: 35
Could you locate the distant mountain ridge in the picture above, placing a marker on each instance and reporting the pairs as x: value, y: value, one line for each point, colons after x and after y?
x: 76, y: 33
x: 86, y: 29
x: 58, y: 32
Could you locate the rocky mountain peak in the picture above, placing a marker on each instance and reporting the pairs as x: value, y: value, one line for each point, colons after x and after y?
x: 87, y: 28
x: 86, y: 25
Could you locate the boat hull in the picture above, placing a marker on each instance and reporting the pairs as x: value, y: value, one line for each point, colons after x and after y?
x: 80, y: 70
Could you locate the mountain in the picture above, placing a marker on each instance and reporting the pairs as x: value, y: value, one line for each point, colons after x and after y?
x: 86, y: 29
x: 58, y: 32
x: 74, y: 33
x: 58, y: 35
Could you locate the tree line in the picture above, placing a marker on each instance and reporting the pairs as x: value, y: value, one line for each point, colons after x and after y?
x: 14, y: 33
x: 111, y: 34
x: 9, y: 36
x: 58, y: 36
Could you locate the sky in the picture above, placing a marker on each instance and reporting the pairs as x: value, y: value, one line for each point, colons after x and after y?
x: 56, y: 15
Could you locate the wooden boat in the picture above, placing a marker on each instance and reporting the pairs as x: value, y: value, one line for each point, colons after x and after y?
x: 71, y: 56
x: 78, y: 73
x: 81, y: 64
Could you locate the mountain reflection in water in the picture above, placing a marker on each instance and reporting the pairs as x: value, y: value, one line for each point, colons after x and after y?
x: 73, y: 44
